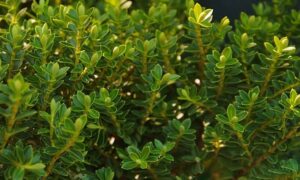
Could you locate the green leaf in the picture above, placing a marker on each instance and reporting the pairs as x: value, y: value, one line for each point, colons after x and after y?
x: 158, y: 143
x: 133, y: 149
x: 134, y: 156
x: 227, y: 52
x: 28, y: 154
x: 68, y: 125
x: 128, y: 165
x: 36, y: 166
x: 93, y: 126
x: 94, y: 114
x: 156, y: 72
x: 55, y: 69
x: 145, y: 152
x: 144, y: 165
x: 169, y: 157
x: 269, y: 47
x: 169, y: 78
x: 192, y: 20
x: 104, y: 93
x: 118, y: 51
x: 291, y: 165
x: 122, y: 153
x: 105, y: 174
x: 114, y: 93
x: 238, y: 127
x: 80, y: 123
x: 242, y: 115
x: 80, y: 9
x: 84, y: 58
x: 18, y: 130
x: 222, y: 119
x: 43, y: 131
x: 197, y: 11
x: 206, y: 16
x: 77, y: 155
x: 206, y: 24
x: 187, y: 123
x: 45, y: 115
x: 26, y: 114
x: 290, y: 49
x: 155, y: 87
x: 18, y: 173
x: 231, y: 112
x: 169, y: 146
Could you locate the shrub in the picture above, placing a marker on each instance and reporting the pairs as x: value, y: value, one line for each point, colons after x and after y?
x: 161, y: 92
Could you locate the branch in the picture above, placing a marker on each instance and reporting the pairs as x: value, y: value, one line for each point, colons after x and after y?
x: 269, y: 152
x: 202, y: 60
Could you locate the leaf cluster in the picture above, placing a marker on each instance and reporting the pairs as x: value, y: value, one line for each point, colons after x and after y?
x: 116, y: 89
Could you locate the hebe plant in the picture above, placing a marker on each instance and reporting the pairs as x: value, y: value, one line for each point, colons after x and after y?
x: 157, y: 92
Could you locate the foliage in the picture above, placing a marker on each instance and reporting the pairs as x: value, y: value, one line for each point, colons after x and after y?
x: 117, y: 89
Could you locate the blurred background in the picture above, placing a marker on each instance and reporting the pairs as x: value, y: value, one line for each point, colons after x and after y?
x: 230, y: 8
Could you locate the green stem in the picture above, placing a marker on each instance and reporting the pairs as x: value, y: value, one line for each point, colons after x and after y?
x: 114, y: 120
x: 177, y: 140
x: 267, y: 123
x: 78, y: 47
x: 269, y: 75
x: 261, y: 128
x: 167, y: 63
x: 85, y: 70
x: 44, y: 56
x: 212, y: 160
x: 117, y: 73
x: 202, y: 60
x: 249, y: 111
x: 152, y: 173
x: 244, y: 145
x: 245, y: 72
x: 58, y: 154
x: 221, y: 83
x: 52, y: 131
x: 283, y: 119
x: 279, y: 92
x: 149, y: 107
x: 11, y: 64
x: 270, y: 151
x: 145, y: 61
x: 47, y: 95
x: 10, y: 124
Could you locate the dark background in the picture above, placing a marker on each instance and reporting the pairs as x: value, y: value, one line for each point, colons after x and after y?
x: 230, y: 8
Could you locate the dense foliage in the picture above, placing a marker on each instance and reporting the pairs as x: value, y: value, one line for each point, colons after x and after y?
x: 156, y: 92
